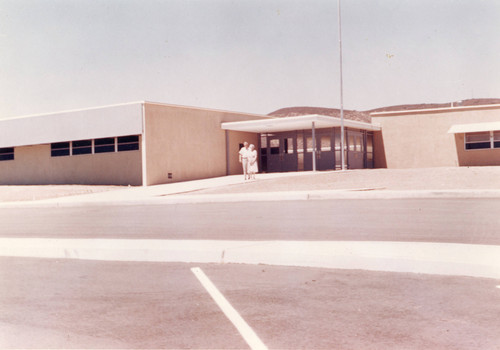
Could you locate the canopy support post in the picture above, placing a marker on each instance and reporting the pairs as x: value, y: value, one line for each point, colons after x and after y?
x: 314, y: 146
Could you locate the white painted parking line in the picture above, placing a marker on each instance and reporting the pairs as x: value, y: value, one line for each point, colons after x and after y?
x: 246, y: 332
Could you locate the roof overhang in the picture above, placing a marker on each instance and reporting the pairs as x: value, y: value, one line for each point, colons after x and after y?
x: 92, y: 123
x: 303, y: 122
x: 474, y: 127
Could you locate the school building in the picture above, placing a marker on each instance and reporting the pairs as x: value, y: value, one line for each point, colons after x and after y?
x: 148, y: 143
x: 139, y: 143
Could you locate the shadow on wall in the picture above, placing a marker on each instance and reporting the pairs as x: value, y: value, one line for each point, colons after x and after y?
x: 379, y: 150
x: 475, y: 157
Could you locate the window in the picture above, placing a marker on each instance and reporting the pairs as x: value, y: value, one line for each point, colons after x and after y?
x: 369, y: 147
x: 288, y: 146
x: 477, y: 140
x: 6, y: 153
x: 309, y: 144
x: 128, y: 143
x: 104, y: 145
x: 263, y: 152
x: 359, y: 143
x: 351, y: 143
x: 496, y: 139
x: 263, y: 141
x: 60, y: 149
x: 82, y: 147
x: 274, y: 145
x: 326, y: 143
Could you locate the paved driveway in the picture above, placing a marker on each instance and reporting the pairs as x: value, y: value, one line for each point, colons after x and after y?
x: 471, y: 221
x: 89, y: 304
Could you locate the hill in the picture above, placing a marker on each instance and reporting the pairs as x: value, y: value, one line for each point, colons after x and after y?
x: 333, y: 112
x: 364, y: 116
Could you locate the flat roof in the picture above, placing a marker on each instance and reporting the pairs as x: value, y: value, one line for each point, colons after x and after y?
x: 474, y: 127
x: 433, y: 110
x: 82, y: 124
x: 74, y: 125
x: 303, y: 122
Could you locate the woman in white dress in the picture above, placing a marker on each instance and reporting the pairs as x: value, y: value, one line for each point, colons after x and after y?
x: 252, y: 162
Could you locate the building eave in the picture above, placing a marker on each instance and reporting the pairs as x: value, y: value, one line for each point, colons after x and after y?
x: 295, y: 123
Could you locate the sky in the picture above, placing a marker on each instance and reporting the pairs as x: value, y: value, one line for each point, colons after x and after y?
x: 251, y: 56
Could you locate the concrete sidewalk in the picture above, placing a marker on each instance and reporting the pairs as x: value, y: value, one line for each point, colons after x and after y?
x: 265, y: 188
x: 142, y: 195
x: 415, y: 257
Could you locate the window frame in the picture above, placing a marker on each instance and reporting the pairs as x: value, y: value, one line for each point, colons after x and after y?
x: 490, y: 141
x: 60, y: 151
x: 101, y: 148
x: 79, y: 148
x: 123, y: 146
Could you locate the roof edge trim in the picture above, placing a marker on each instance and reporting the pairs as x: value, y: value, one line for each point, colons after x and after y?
x: 72, y: 110
x: 205, y: 109
x: 434, y: 110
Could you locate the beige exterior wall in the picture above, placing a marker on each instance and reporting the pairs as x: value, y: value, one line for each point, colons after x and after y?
x: 33, y: 165
x: 420, y: 139
x: 189, y: 143
x: 477, y: 157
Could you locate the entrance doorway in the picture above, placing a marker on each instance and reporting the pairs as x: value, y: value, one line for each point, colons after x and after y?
x: 325, y: 152
x: 293, y: 151
x: 355, y: 150
x: 282, y: 152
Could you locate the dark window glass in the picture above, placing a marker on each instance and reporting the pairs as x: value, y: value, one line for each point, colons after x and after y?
x: 497, y: 144
x: 60, y: 145
x: 6, y: 153
x: 59, y: 149
x: 82, y: 147
x: 105, y: 141
x: 128, y: 139
x: 82, y: 143
x: 104, y: 145
x: 128, y: 143
x: 477, y: 145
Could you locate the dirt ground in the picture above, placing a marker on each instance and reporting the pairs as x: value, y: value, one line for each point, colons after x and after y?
x: 29, y: 193
x: 48, y: 303
x: 473, y: 178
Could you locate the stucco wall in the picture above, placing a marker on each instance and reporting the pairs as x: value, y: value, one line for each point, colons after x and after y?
x: 421, y: 139
x: 33, y: 165
x: 189, y: 143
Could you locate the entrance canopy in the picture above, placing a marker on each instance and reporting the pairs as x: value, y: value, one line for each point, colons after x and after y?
x: 302, y: 122
x: 475, y: 127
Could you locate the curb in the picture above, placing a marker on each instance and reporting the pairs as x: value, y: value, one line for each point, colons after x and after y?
x: 411, y: 257
x: 362, y: 193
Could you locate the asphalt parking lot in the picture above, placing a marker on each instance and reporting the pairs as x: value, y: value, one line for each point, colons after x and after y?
x: 49, y: 303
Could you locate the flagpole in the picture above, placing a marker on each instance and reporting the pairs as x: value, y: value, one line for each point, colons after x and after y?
x: 342, y: 136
